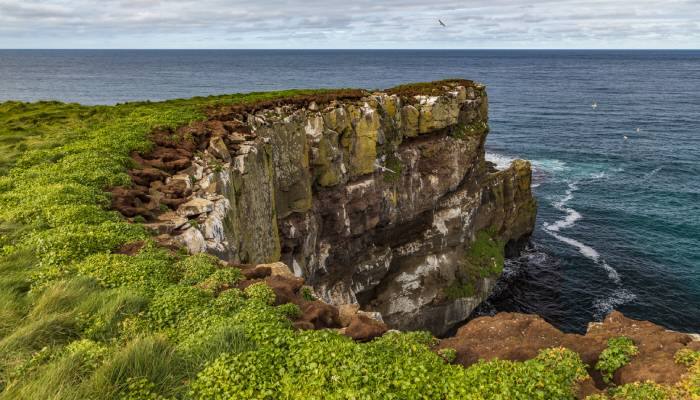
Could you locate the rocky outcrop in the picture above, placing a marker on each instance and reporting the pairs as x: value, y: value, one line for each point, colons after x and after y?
x: 512, y: 336
x: 376, y: 200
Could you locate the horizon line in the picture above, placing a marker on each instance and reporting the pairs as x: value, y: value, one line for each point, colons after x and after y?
x: 361, y: 49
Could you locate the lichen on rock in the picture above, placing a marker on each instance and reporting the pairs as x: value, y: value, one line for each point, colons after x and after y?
x: 374, y: 200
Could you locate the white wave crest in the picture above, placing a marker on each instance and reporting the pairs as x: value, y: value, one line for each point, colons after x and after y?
x: 549, y: 165
x: 571, y: 215
x: 502, y: 162
x: 590, y: 253
x: 603, y: 307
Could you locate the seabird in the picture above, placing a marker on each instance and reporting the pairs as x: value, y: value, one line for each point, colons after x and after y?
x: 442, y: 23
x: 383, y: 168
x: 638, y: 130
x: 625, y: 137
x: 594, y: 105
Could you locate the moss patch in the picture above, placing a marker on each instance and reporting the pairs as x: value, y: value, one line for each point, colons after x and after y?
x: 474, y: 129
x: 394, y: 168
x: 484, y: 259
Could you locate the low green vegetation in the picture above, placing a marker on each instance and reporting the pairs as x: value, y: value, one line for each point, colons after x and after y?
x: 687, y: 357
x: 484, y: 259
x: 477, y: 128
x: 618, y: 354
x: 394, y: 168
x: 81, y: 321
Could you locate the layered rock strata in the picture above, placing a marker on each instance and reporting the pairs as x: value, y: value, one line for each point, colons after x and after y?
x: 381, y: 200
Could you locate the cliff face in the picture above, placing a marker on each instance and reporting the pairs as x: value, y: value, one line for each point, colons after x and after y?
x: 383, y: 201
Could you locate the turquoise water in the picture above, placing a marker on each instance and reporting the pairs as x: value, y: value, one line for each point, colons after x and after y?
x: 619, y: 219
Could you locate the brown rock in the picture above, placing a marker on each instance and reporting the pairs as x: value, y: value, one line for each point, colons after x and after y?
x: 320, y: 315
x: 196, y: 206
x: 347, y: 312
x: 519, y: 337
x: 257, y: 272
x: 286, y: 288
x: 363, y: 328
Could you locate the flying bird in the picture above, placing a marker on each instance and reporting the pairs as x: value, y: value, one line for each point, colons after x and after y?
x: 442, y: 23
x: 383, y: 168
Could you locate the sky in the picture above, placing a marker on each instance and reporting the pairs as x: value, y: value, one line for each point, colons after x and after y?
x: 356, y: 24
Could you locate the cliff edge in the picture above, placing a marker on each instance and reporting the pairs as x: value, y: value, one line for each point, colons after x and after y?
x: 381, y: 199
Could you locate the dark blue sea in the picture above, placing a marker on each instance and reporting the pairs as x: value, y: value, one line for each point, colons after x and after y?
x: 619, y: 218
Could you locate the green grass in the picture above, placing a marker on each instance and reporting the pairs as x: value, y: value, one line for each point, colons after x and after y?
x: 80, y: 322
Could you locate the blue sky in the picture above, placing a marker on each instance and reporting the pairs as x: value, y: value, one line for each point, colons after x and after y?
x: 349, y: 24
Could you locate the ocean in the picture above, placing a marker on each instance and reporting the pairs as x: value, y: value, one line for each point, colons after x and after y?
x: 618, y: 184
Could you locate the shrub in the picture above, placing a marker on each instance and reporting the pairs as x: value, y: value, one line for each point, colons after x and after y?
x: 618, y: 353
x: 71, y: 243
x: 640, y: 391
x: 230, y: 301
x: 212, y: 341
x: 447, y: 354
x: 687, y: 357
x: 290, y: 310
x: 307, y: 294
x: 222, y: 279
x: 260, y: 292
x: 175, y: 304
x: 197, y: 268
x: 150, y: 269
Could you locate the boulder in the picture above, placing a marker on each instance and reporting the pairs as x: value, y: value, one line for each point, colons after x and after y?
x: 196, y: 207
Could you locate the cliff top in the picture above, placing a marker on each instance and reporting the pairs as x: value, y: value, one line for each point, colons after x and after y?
x: 92, y: 307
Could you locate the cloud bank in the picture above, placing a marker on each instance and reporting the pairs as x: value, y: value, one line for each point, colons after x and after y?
x: 349, y: 24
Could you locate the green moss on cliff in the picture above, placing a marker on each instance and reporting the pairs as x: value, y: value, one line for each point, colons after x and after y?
x: 475, y: 129
x: 484, y: 259
x: 394, y: 168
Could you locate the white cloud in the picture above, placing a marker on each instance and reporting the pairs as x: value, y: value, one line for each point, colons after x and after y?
x: 348, y: 24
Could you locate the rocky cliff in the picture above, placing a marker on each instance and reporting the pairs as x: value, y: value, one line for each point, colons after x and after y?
x: 380, y: 199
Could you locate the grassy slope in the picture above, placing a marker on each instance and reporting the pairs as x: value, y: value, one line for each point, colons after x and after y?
x: 77, y: 321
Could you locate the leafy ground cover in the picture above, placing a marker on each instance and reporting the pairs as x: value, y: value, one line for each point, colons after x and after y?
x: 79, y: 321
